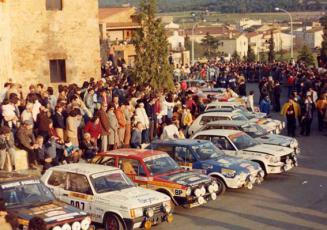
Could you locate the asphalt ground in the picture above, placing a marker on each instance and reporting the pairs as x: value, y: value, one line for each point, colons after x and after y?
x: 294, y: 200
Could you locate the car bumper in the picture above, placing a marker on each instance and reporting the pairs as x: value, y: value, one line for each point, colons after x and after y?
x: 282, y: 167
x: 192, y: 201
x: 140, y: 221
x: 254, y: 178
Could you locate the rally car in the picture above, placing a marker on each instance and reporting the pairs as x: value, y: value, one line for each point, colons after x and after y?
x: 273, y: 159
x: 158, y: 171
x: 203, y: 156
x: 256, y: 131
x: 108, y: 195
x: 210, y: 116
x: 27, y: 197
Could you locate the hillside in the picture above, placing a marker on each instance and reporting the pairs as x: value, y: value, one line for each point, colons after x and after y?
x: 228, y: 6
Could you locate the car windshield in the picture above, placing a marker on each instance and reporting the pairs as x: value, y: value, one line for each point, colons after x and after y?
x: 207, y: 151
x: 254, y: 130
x: 25, y: 193
x: 239, y: 117
x: 110, y: 181
x: 247, y: 114
x: 159, y: 165
x: 243, y: 141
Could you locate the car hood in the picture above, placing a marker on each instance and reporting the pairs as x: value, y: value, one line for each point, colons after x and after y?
x: 186, y: 178
x: 272, y: 150
x: 237, y: 164
x: 275, y: 139
x: 50, y: 212
x: 134, y: 197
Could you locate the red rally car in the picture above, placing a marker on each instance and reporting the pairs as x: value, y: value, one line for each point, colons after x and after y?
x: 158, y: 171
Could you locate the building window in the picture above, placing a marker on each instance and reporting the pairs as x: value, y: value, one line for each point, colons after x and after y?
x: 54, y: 4
x: 57, y: 71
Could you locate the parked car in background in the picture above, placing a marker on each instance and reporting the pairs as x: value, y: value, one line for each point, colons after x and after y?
x: 203, y: 156
x: 108, y: 195
x: 235, y: 115
x: 27, y: 197
x: 273, y: 159
x: 256, y: 131
x: 156, y: 170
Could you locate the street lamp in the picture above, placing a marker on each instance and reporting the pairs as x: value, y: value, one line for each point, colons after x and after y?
x: 291, y: 20
x: 193, y: 28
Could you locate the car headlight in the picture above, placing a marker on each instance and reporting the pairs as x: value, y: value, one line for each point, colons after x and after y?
x: 210, y: 188
x: 197, y: 192
x: 85, y: 224
x: 136, y: 212
x: 76, y: 226
x: 201, y: 200
x: 274, y: 159
x: 57, y: 228
x: 215, y: 186
x: 167, y: 206
x: 149, y: 212
x: 203, y: 191
x: 188, y: 191
x: 66, y: 227
x: 228, y: 172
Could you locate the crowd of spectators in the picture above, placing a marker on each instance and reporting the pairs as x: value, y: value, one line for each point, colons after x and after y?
x: 64, y: 124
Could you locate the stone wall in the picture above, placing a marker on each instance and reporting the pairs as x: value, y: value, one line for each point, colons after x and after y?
x: 38, y: 35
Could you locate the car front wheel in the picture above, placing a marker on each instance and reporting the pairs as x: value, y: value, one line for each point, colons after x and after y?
x: 112, y: 222
x: 221, y: 186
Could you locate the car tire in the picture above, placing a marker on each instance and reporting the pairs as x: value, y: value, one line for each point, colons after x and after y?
x: 262, y: 165
x: 221, y: 186
x: 113, y: 222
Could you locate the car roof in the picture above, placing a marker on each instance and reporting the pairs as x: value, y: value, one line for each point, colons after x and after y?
x: 183, y: 142
x: 220, y: 132
x: 231, y: 103
x: 220, y: 114
x: 139, y: 153
x: 14, y: 176
x: 84, y: 168
x: 228, y: 122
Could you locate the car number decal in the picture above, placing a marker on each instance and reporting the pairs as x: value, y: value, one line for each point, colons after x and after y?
x: 78, y: 204
x: 178, y: 192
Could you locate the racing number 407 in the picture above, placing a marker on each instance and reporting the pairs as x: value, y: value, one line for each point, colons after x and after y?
x: 77, y: 204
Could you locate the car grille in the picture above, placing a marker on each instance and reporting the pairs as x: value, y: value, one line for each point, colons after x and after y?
x: 156, y: 208
x: 284, y: 158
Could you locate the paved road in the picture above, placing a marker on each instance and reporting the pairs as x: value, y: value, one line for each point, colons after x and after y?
x: 296, y: 200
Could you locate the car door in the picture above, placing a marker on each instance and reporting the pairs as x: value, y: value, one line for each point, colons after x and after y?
x: 134, y: 169
x: 78, y: 192
x: 224, y: 144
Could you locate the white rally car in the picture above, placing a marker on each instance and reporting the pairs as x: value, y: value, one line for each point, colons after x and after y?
x: 272, y: 126
x: 273, y: 159
x: 108, y: 195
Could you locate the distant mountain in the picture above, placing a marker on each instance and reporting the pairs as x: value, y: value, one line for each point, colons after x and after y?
x: 227, y: 6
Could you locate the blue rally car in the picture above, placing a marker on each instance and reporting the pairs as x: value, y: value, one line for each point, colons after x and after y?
x: 201, y: 155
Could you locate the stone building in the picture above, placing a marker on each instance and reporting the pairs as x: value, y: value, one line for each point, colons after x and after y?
x: 49, y: 41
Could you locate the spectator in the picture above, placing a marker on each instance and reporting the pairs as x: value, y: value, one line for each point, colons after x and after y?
x: 291, y: 111
x: 113, y: 128
x: 59, y: 122
x: 88, y: 146
x: 170, y: 131
x: 7, y: 152
x: 105, y: 126
x: 73, y: 122
x: 265, y: 105
x: 136, y: 140
x: 26, y: 141
x: 141, y: 116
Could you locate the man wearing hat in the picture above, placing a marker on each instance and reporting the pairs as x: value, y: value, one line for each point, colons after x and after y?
x: 26, y: 141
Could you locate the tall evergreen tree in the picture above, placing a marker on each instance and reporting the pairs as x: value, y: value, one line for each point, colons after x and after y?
x: 250, y: 55
x: 236, y: 57
x: 306, y: 56
x: 271, y: 53
x: 210, y: 44
x: 152, y: 50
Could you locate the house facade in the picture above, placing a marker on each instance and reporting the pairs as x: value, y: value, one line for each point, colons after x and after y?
x: 49, y: 41
x: 231, y: 44
x: 117, y: 25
